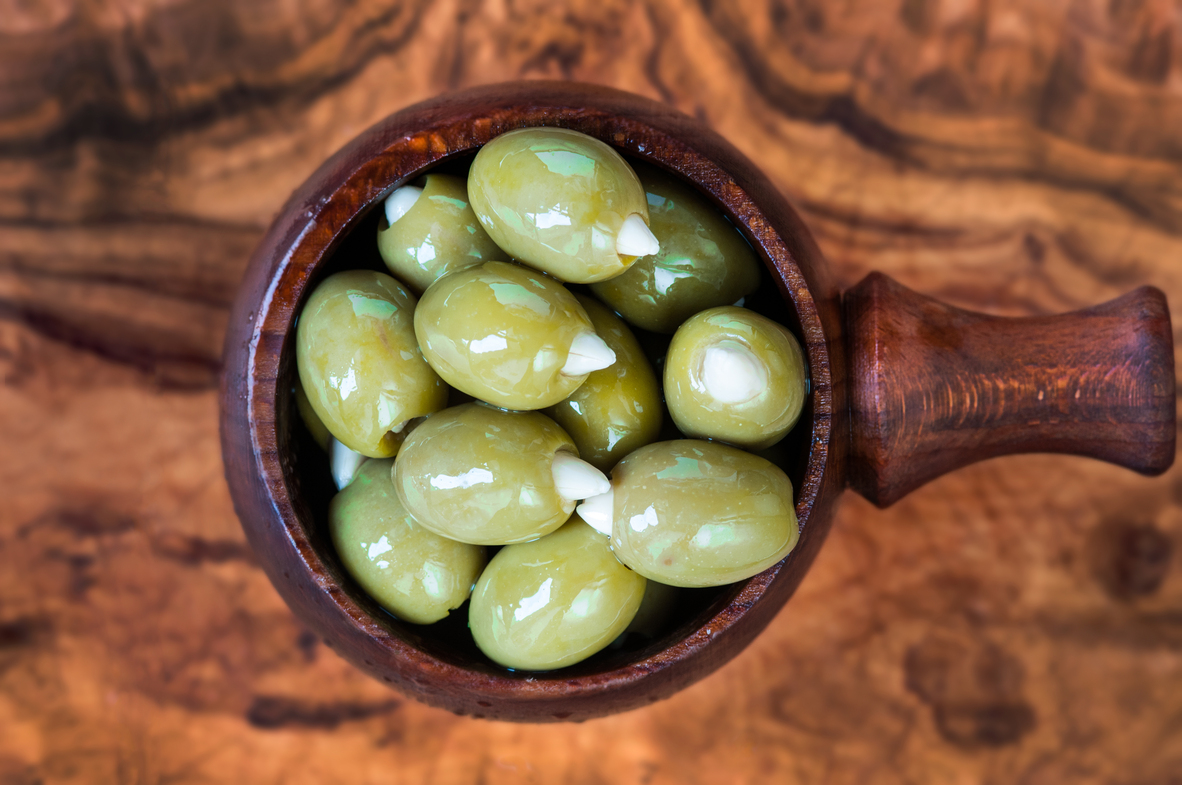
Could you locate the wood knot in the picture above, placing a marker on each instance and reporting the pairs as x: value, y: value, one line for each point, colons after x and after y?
x: 974, y: 690
x: 270, y: 712
x: 1129, y: 560
x: 984, y: 724
x: 21, y: 632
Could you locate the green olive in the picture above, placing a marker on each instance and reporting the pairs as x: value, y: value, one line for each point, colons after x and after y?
x: 502, y: 333
x: 477, y: 474
x: 413, y: 573
x: 438, y: 235
x: 656, y: 609
x: 619, y: 407
x: 704, y: 262
x: 359, y: 362
x: 553, y: 602
x: 557, y: 200
x: 694, y: 513
x: 311, y: 420
x: 734, y: 376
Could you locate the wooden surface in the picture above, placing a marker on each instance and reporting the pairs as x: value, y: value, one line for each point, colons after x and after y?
x: 1017, y: 621
x: 934, y: 387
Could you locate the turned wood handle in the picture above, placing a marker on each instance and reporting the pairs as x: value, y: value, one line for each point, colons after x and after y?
x: 934, y: 388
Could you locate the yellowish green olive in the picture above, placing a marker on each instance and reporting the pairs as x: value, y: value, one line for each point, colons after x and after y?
x: 617, y: 409
x: 477, y: 474
x: 310, y: 418
x: 502, y: 333
x: 734, y: 376
x: 557, y: 200
x: 703, y: 263
x: 694, y: 513
x: 360, y: 364
x: 553, y: 602
x: 438, y: 235
x: 413, y: 573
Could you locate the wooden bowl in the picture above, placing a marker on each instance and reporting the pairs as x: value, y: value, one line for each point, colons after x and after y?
x: 903, y: 389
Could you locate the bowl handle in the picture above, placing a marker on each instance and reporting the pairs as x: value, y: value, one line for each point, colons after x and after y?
x: 934, y: 388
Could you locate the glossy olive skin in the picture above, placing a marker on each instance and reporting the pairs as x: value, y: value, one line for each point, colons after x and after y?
x: 501, y: 333
x: 360, y: 364
x: 616, y: 409
x: 703, y: 263
x: 757, y: 423
x: 480, y: 475
x: 553, y: 602
x: 556, y: 199
x: 311, y: 420
x: 694, y: 513
x: 413, y: 573
x: 437, y: 236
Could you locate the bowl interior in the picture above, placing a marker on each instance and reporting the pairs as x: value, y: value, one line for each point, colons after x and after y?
x: 449, y: 641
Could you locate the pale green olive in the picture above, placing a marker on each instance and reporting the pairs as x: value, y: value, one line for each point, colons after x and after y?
x: 703, y: 263
x: 734, y: 376
x: 619, y: 407
x: 557, y: 200
x: 694, y: 513
x: 413, y: 573
x: 438, y: 235
x: 553, y: 602
x: 310, y: 418
x: 360, y: 364
x: 485, y: 476
x: 502, y: 333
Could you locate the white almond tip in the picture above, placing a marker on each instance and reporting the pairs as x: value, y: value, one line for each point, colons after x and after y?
x: 597, y: 511
x: 635, y: 238
x: 576, y: 479
x: 588, y: 353
x: 399, y: 203
x: 345, y: 463
x: 733, y: 374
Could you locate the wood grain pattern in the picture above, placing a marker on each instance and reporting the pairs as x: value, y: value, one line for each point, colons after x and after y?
x: 935, y: 388
x: 1015, y: 621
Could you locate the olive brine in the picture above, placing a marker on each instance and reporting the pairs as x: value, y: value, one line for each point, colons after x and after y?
x: 550, y: 450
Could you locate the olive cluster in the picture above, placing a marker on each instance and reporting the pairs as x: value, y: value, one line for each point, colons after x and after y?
x: 551, y: 390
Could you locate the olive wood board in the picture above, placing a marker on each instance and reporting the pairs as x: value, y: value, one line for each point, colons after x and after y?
x: 1019, y: 620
